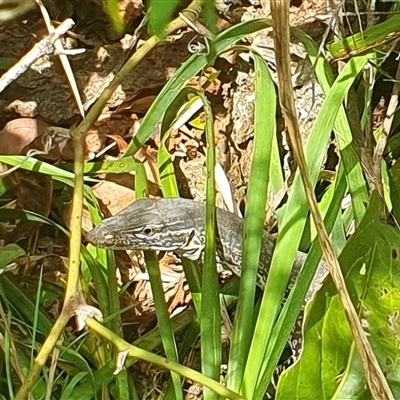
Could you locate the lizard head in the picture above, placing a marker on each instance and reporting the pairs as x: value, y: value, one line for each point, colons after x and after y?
x: 148, y: 224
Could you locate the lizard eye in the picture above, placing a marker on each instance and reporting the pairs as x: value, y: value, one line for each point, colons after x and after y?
x: 148, y: 231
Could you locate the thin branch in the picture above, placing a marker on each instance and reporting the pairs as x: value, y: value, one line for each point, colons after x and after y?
x: 44, y: 47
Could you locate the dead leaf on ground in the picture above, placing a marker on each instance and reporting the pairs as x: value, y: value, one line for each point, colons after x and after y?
x: 113, y: 196
x: 19, y: 133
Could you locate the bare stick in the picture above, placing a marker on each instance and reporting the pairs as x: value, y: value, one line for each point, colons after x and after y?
x: 44, y: 47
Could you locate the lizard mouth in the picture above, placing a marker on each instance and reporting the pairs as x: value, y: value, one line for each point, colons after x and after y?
x: 100, y: 237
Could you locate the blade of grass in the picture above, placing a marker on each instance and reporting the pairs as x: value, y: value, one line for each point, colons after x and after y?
x: 149, y: 342
x: 288, y: 316
x: 264, y: 132
x: 343, y: 134
x: 189, y: 69
x: 31, y: 164
x: 368, y: 39
x: 294, y: 221
x: 210, y: 321
x: 169, y: 183
x: 136, y: 352
x: 121, y: 379
x: 163, y: 318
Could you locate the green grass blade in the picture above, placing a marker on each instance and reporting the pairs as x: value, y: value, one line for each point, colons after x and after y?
x: 189, y: 69
x: 31, y: 164
x: 291, y: 309
x: 123, y: 165
x: 66, y: 393
x: 163, y: 319
x: 164, y: 322
x: 294, y: 221
x: 210, y: 322
x: 170, y: 186
x: 369, y: 38
x: 149, y: 341
x: 344, y: 137
x: 264, y: 132
x: 122, y: 383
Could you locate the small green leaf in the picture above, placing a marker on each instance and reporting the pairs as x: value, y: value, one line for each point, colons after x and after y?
x: 10, y: 253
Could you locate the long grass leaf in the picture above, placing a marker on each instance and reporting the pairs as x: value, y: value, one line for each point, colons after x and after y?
x: 31, y: 164
x: 210, y: 322
x: 351, y: 162
x: 294, y: 221
x: 189, y: 69
x: 264, y: 132
x: 169, y: 182
x: 291, y: 309
x: 163, y: 318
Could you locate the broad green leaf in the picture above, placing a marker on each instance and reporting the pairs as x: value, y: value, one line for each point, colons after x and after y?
x: 10, y: 253
x: 371, y: 264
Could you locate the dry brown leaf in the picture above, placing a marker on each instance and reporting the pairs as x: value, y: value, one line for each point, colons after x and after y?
x: 115, y: 197
x: 19, y: 133
x: 34, y: 191
x: 120, y: 141
x: 140, y: 102
x: 95, y: 140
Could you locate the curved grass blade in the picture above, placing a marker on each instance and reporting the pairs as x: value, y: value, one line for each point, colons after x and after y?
x: 293, y: 304
x: 66, y: 393
x: 344, y: 137
x: 149, y: 341
x: 210, y: 322
x: 264, y: 132
x: 34, y: 165
x: 136, y: 352
x: 294, y: 221
x: 189, y: 69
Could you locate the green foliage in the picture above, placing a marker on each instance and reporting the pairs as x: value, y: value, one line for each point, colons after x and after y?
x: 160, y: 14
x: 329, y: 366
